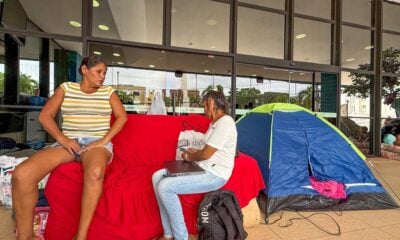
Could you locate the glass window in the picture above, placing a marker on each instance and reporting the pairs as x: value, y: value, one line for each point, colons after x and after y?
x: 357, y: 109
x: 137, y: 74
x: 136, y: 20
x: 257, y: 85
x: 316, y: 8
x: 356, y: 94
x: 312, y: 42
x: 357, y: 11
x: 200, y: 24
x: 16, y: 14
x: 356, y: 48
x: 391, y: 53
x: 391, y: 96
x: 391, y: 16
x: 278, y: 4
x: 260, y: 33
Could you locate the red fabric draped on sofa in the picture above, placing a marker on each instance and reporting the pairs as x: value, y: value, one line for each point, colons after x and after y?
x: 128, y: 208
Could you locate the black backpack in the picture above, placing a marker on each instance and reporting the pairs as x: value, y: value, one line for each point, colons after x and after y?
x: 220, y: 217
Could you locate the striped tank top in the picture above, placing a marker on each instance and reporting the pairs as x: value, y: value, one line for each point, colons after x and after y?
x: 85, y: 114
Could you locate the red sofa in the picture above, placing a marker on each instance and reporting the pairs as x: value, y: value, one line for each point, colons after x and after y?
x: 128, y: 208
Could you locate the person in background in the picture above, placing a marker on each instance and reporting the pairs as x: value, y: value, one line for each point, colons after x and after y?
x: 37, y: 100
x: 157, y: 107
x: 216, y: 158
x: 85, y: 136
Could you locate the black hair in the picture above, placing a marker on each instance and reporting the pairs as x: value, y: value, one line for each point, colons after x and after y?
x: 89, y: 62
x: 219, y: 98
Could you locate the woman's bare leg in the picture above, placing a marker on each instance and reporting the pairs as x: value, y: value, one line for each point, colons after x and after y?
x: 94, y: 163
x: 24, y: 181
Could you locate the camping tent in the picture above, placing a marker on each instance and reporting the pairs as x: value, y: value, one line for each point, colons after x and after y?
x: 291, y: 144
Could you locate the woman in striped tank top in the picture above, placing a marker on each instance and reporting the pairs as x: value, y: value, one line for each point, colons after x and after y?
x: 85, y: 136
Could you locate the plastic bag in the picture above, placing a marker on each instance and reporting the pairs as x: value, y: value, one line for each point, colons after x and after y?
x: 189, y: 139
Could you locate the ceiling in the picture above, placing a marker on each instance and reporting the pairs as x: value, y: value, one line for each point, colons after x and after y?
x: 200, y: 24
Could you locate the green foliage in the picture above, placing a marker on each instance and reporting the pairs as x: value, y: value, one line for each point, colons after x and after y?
x: 303, y: 98
x: 362, y: 84
x: 211, y: 87
x: 26, y: 83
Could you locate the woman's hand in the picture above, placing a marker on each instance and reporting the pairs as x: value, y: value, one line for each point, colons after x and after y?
x: 71, y: 145
x: 188, y: 154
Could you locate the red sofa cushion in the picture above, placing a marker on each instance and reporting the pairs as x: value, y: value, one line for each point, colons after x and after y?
x: 128, y: 208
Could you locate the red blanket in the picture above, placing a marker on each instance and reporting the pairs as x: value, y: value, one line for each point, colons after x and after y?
x: 128, y: 208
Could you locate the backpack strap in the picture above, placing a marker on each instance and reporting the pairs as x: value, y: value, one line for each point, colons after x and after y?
x: 236, y: 218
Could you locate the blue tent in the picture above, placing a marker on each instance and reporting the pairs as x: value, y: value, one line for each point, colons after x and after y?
x: 290, y: 144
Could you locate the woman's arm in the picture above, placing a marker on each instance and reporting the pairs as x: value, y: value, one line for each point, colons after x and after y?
x: 47, y: 116
x: 203, y: 154
x: 120, y: 118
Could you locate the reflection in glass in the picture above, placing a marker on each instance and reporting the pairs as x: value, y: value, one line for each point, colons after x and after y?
x: 258, y: 85
x: 260, y: 33
x: 136, y: 20
x: 200, y: 24
x: 312, y: 42
x: 357, y: 109
x: 391, y: 53
x: 356, y: 94
x: 16, y: 12
x: 137, y: 74
x: 278, y: 4
x: 357, y: 11
x: 356, y: 48
x: 391, y: 16
x: 316, y: 8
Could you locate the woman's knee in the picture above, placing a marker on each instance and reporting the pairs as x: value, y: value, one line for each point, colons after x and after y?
x: 95, y: 173
x: 21, y: 176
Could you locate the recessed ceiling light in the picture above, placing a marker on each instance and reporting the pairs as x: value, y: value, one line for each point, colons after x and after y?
x: 212, y: 47
x: 75, y: 24
x: 350, y: 59
x: 103, y: 27
x: 211, y: 22
x: 97, y: 52
x: 206, y: 70
x: 120, y: 63
x: 300, y: 36
x: 253, y: 75
x: 162, y: 51
x: 173, y: 10
x: 302, y: 73
x: 369, y: 47
x: 151, y: 65
x: 96, y: 3
x: 210, y: 56
x: 116, y: 54
x: 291, y: 72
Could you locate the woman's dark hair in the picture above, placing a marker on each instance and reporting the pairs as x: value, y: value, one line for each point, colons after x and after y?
x: 219, y: 98
x: 89, y: 62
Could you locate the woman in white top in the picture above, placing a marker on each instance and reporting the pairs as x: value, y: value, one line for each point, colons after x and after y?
x: 217, y: 158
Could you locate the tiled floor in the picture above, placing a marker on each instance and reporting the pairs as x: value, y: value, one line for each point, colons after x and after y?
x: 363, y: 225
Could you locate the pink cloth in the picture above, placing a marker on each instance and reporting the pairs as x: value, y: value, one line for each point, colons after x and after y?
x: 329, y: 188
